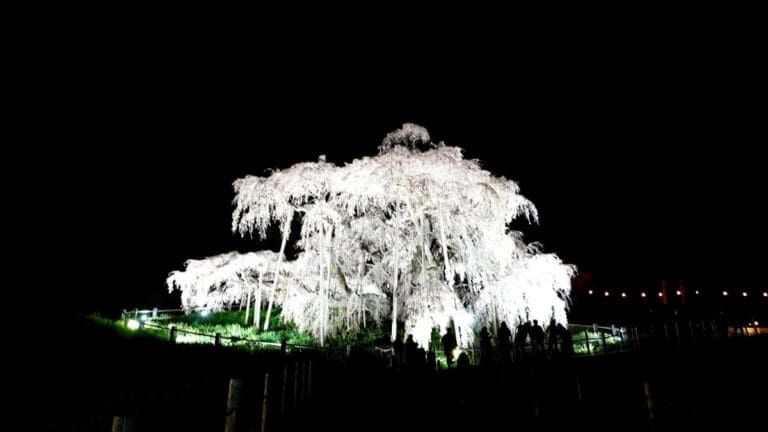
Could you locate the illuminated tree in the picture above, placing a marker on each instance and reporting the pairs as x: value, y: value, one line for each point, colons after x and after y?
x: 415, y: 234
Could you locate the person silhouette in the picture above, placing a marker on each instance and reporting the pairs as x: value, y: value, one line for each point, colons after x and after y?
x: 537, y: 337
x: 520, y: 336
x: 449, y: 344
x: 486, y: 348
x: 566, y: 340
x: 504, y: 336
x: 410, y: 352
x: 552, y: 333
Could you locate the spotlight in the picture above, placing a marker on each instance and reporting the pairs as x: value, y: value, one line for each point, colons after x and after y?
x: 642, y: 294
x: 607, y: 294
x: 743, y: 293
x: 624, y: 294
x: 678, y: 292
x: 725, y: 293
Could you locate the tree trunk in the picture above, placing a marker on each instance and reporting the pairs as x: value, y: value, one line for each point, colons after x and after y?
x: 447, y: 264
x: 257, y: 304
x: 248, y: 305
x: 360, y: 289
x: 277, y: 274
x: 394, y: 297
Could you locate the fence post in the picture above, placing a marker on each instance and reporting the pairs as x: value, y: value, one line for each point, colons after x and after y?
x: 586, y: 341
x: 649, y: 402
x: 122, y: 424
x: 605, y: 346
x: 284, y: 387
x: 309, y: 379
x: 172, y: 337
x: 295, y: 383
x: 264, y: 404
x: 154, y: 312
x: 677, y: 334
x: 579, y: 396
x: 217, y: 340
x: 303, y: 379
x: 693, y: 333
x: 233, y: 404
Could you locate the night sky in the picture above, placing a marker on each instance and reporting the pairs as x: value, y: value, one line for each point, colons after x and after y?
x: 645, y: 160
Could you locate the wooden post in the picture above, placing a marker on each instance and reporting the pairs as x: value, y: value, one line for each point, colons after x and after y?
x: 154, y: 312
x: 264, y: 403
x: 649, y: 403
x: 284, y: 387
x: 605, y: 346
x: 579, y: 396
x: 294, y: 395
x: 172, y: 337
x: 303, y: 379
x: 217, y: 340
x: 233, y: 404
x: 535, y: 393
x: 586, y: 341
x: 122, y: 424
x: 309, y: 381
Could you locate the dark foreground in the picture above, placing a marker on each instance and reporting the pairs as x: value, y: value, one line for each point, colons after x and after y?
x: 159, y: 387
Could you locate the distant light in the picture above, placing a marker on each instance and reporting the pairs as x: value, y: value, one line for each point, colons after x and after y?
x: 133, y: 324
x: 623, y: 294
x: 765, y: 294
x: 743, y: 293
x: 661, y: 294
x: 590, y: 292
x: 697, y: 292
x: 607, y: 293
x: 642, y: 294
x: 205, y: 312
x: 678, y: 292
x: 725, y: 293
x: 757, y: 323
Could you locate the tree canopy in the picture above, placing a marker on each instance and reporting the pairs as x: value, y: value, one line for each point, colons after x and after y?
x: 415, y: 234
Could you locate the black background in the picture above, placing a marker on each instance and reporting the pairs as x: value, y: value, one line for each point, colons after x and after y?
x: 642, y: 149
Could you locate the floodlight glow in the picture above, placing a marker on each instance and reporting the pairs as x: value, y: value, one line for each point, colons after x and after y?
x: 744, y: 294
x: 607, y: 294
x: 725, y: 293
x: 765, y: 294
x: 642, y: 294
x: 133, y: 324
x: 678, y: 292
x: 456, y: 353
x: 757, y: 323
x: 697, y: 292
x: 205, y: 312
x: 623, y: 294
x: 590, y: 292
x: 661, y: 294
